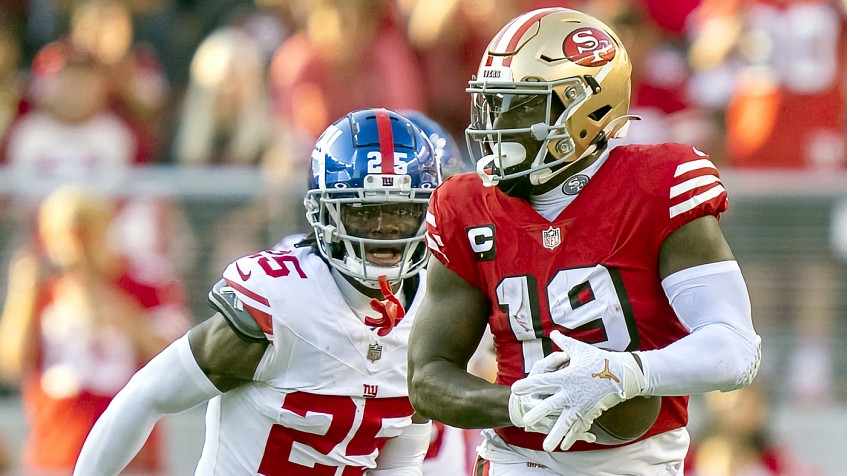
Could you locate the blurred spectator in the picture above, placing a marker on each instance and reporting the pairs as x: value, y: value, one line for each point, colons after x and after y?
x: 70, y: 135
x: 225, y: 117
x: 137, y: 84
x: 176, y: 27
x: 349, y: 55
x: 654, y: 34
x: 449, y: 37
x: 268, y: 23
x: 777, y: 68
x: 11, y: 78
x: 153, y: 231
x: 136, y: 87
x: 738, y: 441
x: 788, y: 108
x: 77, y: 323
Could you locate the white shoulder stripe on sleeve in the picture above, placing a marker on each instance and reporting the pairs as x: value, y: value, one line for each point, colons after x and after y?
x: 696, y: 200
x: 693, y: 183
x: 430, y: 218
x: 694, y: 165
x: 436, y: 239
x: 434, y: 243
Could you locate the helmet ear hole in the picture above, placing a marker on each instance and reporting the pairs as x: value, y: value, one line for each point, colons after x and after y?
x: 583, y: 133
x: 599, y: 113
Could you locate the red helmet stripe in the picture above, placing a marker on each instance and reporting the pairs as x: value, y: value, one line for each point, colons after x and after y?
x: 493, y: 45
x: 516, y: 37
x: 386, y: 140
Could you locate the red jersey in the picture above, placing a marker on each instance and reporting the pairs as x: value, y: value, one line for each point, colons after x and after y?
x: 592, y: 272
x: 99, y: 363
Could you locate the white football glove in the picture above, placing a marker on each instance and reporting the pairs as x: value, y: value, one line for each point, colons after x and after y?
x: 581, y: 382
x: 519, y: 405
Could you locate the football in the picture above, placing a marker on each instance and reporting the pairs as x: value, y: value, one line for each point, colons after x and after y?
x: 626, y: 421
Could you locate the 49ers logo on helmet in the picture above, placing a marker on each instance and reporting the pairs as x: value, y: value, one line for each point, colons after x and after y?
x: 589, y: 47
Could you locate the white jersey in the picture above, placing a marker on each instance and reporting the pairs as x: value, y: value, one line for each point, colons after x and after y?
x: 447, y: 453
x: 329, y: 390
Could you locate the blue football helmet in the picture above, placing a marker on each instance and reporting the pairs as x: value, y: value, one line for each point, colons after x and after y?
x: 371, y: 176
x: 446, y: 150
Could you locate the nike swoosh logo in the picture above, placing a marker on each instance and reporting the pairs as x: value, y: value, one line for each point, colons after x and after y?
x: 244, y: 276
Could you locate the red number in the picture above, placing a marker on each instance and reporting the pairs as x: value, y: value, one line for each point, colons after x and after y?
x: 277, y: 458
x: 275, y: 263
x: 365, y: 441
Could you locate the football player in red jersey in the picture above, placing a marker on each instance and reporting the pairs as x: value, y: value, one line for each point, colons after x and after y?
x: 601, y: 271
x: 304, y: 364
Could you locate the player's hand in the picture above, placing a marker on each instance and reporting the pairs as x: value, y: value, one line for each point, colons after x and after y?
x: 520, y: 405
x: 580, y: 382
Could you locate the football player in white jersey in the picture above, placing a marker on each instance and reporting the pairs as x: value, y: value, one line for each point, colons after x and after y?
x: 304, y: 364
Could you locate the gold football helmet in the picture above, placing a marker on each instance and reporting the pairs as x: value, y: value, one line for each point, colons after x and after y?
x: 553, y: 87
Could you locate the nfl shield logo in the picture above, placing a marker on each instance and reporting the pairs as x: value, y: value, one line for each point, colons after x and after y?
x: 374, y: 352
x: 551, y: 238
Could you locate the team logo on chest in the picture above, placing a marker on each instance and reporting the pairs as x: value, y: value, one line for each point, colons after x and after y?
x: 369, y: 391
x: 551, y: 238
x: 374, y: 352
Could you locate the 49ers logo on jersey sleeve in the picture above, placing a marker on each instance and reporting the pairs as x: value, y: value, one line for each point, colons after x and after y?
x: 589, y: 47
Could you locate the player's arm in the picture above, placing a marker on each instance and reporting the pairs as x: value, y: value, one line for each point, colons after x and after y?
x: 209, y: 360
x: 705, y: 287
x: 707, y: 291
x: 446, y: 333
x: 227, y: 360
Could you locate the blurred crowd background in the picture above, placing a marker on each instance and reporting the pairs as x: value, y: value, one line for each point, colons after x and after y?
x: 145, y: 144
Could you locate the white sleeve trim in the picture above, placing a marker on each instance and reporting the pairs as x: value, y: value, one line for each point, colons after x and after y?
x: 699, y: 271
x: 205, y: 387
x: 722, y: 351
x: 170, y: 383
x: 403, y: 455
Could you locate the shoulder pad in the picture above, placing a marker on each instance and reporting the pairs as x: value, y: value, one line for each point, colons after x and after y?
x: 224, y: 300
